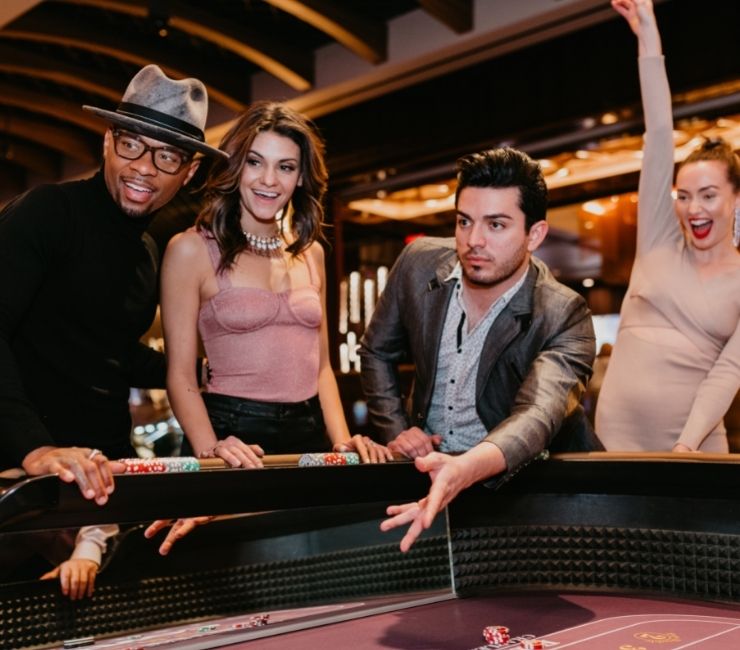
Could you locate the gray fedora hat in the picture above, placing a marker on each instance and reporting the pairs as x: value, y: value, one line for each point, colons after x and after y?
x: 164, y: 109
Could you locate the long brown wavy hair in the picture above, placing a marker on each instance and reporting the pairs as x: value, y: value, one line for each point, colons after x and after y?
x: 222, y: 212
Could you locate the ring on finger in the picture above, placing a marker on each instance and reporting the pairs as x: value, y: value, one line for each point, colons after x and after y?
x: 93, y: 453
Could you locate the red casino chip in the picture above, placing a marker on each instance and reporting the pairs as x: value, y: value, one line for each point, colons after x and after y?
x: 532, y: 644
x: 254, y: 621
x: 497, y: 634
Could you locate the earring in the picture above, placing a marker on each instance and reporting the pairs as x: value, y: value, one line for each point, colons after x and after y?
x: 736, y: 236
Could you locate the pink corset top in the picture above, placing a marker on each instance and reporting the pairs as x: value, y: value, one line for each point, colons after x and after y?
x: 261, y: 345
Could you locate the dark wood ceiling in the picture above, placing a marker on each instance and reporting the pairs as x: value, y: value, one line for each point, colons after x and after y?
x: 531, y: 83
x: 61, y: 54
x: 537, y: 98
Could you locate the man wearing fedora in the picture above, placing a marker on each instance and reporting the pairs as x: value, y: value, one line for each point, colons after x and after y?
x: 80, y: 288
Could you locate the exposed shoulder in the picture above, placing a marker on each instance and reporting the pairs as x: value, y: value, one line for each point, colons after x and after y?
x: 316, y: 251
x: 316, y: 257
x: 187, y: 247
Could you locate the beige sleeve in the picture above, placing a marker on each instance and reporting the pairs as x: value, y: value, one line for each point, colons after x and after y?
x: 656, y: 221
x: 715, y: 394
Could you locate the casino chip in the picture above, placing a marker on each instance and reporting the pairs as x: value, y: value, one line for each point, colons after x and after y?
x: 330, y: 458
x: 160, y: 465
x: 532, y: 644
x: 496, y: 634
x: 260, y: 620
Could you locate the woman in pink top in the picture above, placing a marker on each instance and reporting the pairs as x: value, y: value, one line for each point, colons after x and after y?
x: 675, y: 368
x: 249, y: 277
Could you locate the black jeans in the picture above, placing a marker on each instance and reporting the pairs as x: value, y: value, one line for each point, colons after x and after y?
x: 277, y: 427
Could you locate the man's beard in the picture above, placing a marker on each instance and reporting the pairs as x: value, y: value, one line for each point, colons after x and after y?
x: 135, y: 214
x: 500, y: 273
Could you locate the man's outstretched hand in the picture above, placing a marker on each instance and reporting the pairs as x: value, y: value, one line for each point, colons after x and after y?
x: 450, y: 475
x: 179, y: 529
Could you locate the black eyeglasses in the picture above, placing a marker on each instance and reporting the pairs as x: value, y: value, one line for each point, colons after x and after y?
x: 166, y: 159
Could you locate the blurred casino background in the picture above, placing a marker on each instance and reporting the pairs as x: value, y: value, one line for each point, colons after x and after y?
x: 399, y: 89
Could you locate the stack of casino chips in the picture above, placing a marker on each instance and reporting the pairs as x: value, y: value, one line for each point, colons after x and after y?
x: 332, y: 458
x: 259, y: 620
x: 496, y: 634
x: 160, y: 465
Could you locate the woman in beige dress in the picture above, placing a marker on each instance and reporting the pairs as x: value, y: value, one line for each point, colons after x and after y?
x: 675, y: 368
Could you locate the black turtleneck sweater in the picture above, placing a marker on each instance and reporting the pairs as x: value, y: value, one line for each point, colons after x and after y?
x: 78, y: 288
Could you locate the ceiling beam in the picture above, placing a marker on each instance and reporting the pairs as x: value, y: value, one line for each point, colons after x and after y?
x: 39, y: 160
x: 545, y: 25
x: 278, y: 58
x: 365, y: 37
x: 30, y: 64
x: 88, y: 38
x: 54, y: 137
x: 11, y: 9
x: 456, y: 14
x: 282, y: 61
x: 35, y: 102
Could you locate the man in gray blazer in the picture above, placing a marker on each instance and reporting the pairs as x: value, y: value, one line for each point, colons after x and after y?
x: 502, y: 351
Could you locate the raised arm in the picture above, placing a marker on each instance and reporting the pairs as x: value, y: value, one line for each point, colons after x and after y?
x: 641, y: 19
x: 656, y: 223
x: 184, y: 271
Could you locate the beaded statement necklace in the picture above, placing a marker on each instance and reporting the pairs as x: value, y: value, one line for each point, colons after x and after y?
x: 264, y: 246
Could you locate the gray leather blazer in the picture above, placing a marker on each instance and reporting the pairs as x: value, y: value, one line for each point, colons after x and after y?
x: 536, y: 361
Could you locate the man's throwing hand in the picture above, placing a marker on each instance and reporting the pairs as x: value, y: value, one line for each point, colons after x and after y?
x: 450, y: 475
